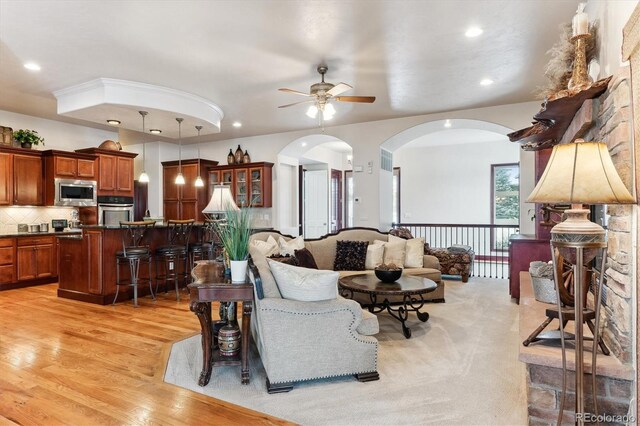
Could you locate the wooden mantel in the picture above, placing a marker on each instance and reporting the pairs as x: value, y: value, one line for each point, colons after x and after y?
x: 555, y: 123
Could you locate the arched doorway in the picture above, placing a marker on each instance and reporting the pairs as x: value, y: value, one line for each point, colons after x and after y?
x: 312, y: 174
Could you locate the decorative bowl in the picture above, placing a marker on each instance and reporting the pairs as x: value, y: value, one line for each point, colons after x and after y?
x: 388, y: 276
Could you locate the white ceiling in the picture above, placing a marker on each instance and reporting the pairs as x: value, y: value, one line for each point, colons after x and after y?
x: 412, y: 55
x: 456, y: 137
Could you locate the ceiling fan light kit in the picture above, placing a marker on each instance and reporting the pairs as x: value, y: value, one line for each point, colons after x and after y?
x: 323, y: 94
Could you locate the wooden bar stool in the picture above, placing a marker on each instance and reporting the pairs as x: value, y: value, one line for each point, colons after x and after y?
x: 204, y: 248
x: 133, y: 253
x: 174, y: 254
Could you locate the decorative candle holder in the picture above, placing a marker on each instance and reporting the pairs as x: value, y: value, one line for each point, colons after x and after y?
x: 580, y: 78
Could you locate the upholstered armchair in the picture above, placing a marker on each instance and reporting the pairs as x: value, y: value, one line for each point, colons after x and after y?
x: 300, y: 341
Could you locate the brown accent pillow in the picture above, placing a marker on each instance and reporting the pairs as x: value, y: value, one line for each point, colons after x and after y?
x: 305, y: 259
x: 402, y: 233
x: 289, y: 260
x: 350, y: 255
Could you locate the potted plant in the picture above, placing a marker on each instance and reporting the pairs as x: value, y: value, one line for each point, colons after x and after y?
x: 234, y: 232
x: 26, y: 138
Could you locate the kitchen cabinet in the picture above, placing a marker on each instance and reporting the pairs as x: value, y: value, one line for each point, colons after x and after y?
x: 185, y: 201
x: 65, y: 165
x: 36, y: 258
x: 7, y: 260
x: 6, y: 179
x: 27, y: 180
x: 250, y: 183
x: 86, y: 276
x: 114, y: 171
x: 21, y: 177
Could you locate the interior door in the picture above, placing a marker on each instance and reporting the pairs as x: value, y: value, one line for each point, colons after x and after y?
x: 316, y: 203
x: 336, y: 200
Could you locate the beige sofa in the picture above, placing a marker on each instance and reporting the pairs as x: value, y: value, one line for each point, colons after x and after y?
x: 324, y: 253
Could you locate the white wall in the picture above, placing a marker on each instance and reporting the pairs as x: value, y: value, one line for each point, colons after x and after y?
x: 450, y: 184
x: 56, y: 134
x: 611, y: 16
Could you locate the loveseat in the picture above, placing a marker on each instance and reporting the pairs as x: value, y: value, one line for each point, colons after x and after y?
x: 324, y: 252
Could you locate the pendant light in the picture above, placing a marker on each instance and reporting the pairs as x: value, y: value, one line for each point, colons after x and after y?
x: 179, y: 179
x: 199, y: 182
x: 144, y: 177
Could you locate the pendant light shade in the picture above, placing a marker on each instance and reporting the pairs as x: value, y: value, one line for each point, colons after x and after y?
x: 199, y: 182
x: 179, y: 178
x: 144, y: 177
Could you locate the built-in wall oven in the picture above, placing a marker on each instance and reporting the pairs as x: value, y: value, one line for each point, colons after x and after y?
x: 114, y: 209
x: 75, y: 193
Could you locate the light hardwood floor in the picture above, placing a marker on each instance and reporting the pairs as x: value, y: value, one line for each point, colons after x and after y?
x: 68, y: 362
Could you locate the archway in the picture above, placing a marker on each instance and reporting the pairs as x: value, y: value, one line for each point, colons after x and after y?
x: 434, y: 164
x: 311, y: 184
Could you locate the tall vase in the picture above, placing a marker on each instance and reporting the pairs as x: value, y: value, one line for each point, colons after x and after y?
x: 238, y: 155
x: 239, y: 271
x: 231, y: 159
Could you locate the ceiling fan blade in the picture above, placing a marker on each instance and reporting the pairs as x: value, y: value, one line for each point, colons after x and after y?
x: 339, y: 88
x: 295, y: 92
x: 296, y: 103
x: 364, y: 99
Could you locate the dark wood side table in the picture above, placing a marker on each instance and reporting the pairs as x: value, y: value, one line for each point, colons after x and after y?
x: 209, y: 288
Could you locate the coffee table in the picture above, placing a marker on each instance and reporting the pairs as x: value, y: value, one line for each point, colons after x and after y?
x: 410, y: 288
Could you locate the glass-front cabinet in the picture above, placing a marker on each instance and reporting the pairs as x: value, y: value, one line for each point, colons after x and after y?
x: 250, y: 183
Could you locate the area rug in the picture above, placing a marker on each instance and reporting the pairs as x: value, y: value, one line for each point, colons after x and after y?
x: 461, y: 367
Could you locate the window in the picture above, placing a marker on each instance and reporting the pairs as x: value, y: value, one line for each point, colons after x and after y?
x: 505, y: 201
x: 396, y: 195
x: 348, y: 197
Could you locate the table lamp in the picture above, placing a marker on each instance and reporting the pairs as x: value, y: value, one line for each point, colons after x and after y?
x: 221, y: 201
x: 579, y: 173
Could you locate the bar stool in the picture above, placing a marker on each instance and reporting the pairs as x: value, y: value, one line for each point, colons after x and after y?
x: 204, y: 248
x: 132, y: 254
x: 174, y: 254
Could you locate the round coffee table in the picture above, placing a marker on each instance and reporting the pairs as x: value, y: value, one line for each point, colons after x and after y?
x: 410, y: 288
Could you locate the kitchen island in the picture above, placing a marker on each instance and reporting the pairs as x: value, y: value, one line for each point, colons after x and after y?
x: 87, y: 263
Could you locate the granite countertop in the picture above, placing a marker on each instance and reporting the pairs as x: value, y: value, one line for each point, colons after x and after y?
x: 39, y: 234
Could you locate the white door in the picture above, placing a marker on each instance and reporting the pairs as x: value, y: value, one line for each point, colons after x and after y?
x: 316, y: 203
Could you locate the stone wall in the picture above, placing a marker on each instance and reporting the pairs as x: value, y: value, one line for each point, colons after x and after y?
x: 544, y: 389
x: 613, y: 125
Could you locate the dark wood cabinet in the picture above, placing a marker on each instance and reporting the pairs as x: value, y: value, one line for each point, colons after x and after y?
x: 36, y: 258
x: 6, y: 179
x: 27, y: 180
x: 524, y: 249
x: 81, y: 277
x: 65, y: 165
x: 7, y: 260
x: 185, y: 201
x: 114, y: 171
x: 250, y: 183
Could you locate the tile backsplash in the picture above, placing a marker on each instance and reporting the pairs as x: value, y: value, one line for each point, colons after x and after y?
x: 10, y: 217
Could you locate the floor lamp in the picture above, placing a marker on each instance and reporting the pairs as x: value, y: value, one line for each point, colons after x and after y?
x: 580, y: 173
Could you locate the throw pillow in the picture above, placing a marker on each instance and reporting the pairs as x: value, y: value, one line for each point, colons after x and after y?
x: 401, y: 232
x: 289, y: 260
x: 394, y: 250
x: 305, y: 259
x: 303, y: 284
x: 268, y: 247
x: 350, y: 255
x: 414, y: 256
x: 289, y: 247
x: 375, y: 256
x: 267, y: 286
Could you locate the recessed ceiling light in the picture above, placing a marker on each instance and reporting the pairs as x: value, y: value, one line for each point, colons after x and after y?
x: 486, y: 82
x: 32, y: 66
x: 447, y: 123
x: 237, y: 124
x: 155, y: 131
x: 303, y: 144
x: 113, y: 122
x: 473, y: 32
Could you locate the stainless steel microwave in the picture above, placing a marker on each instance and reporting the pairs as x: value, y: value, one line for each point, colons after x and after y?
x: 77, y: 193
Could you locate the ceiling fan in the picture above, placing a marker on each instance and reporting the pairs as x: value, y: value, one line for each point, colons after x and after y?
x: 322, y: 93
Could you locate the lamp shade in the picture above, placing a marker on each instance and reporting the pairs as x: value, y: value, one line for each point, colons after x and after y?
x: 221, y: 200
x: 581, y: 173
